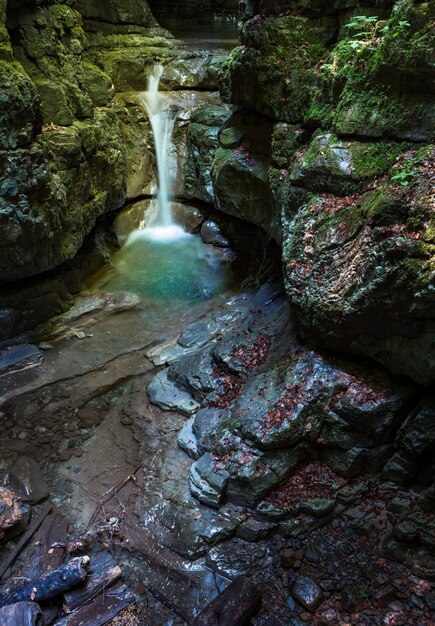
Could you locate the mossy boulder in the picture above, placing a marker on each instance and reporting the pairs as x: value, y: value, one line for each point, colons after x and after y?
x: 53, y: 192
x: 138, y: 144
x: 127, y: 59
x: 5, y: 45
x: 97, y: 84
x: 360, y: 271
x: 340, y: 166
x: 379, y: 83
x: 124, y: 40
x: 49, y: 42
x: 240, y: 173
x: 367, y: 76
x: 274, y: 69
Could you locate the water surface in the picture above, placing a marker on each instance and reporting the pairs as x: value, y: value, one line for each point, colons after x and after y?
x: 176, y: 271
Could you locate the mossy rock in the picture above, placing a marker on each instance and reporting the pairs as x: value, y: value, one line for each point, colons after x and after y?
x: 342, y: 167
x: 286, y: 138
x: 96, y: 84
x: 202, y: 144
x: 380, y: 84
x: 53, y: 193
x: 20, y: 107
x: 274, y: 70
x: 360, y: 270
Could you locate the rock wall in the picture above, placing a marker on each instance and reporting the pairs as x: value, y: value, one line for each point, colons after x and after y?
x: 124, y: 40
x: 330, y: 153
x: 61, y: 163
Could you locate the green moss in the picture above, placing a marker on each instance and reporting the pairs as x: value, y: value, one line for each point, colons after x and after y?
x: 274, y: 71
x: 373, y: 82
x: 371, y: 159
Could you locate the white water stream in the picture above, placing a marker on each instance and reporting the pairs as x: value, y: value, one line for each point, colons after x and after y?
x: 160, y: 226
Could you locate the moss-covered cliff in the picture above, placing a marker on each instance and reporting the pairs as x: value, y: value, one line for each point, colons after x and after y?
x: 62, y: 159
x: 347, y: 170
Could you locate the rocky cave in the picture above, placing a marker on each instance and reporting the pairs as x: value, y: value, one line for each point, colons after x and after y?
x: 217, y: 313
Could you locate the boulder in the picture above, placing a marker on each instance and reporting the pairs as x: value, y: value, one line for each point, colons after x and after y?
x: 211, y: 233
x: 273, y: 72
x: 342, y: 167
x: 359, y: 269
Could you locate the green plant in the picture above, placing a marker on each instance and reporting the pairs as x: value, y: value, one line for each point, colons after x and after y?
x: 361, y: 593
x: 366, y: 26
x: 403, y: 178
x: 402, y: 24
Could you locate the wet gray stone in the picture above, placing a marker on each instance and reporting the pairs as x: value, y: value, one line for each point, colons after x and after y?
x: 25, y: 478
x: 187, y: 440
x: 253, y: 530
x: 206, y: 483
x: 13, y: 358
x: 237, y: 558
x: 165, y: 394
x: 318, y: 507
x: 198, y: 335
x: 194, y: 373
x: 307, y: 593
x: 211, y: 233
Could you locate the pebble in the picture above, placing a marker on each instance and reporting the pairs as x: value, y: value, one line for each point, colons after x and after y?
x: 330, y: 616
x: 312, y: 556
x: 307, y: 593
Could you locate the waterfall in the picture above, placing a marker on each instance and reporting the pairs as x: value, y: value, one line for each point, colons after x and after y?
x: 160, y: 225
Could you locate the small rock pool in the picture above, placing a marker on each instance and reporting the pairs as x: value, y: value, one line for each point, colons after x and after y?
x: 179, y: 270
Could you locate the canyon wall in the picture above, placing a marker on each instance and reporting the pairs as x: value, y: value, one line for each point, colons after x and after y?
x: 329, y: 151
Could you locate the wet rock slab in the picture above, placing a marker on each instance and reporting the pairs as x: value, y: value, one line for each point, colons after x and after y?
x: 165, y: 394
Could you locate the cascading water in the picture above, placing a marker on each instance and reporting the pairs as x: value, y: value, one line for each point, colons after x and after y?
x: 160, y: 260
x: 160, y: 226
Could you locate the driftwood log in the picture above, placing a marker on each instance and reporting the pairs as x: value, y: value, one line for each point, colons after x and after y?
x: 235, y: 606
x: 49, y: 585
x: 102, y: 609
x: 103, y: 571
x: 21, y: 614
